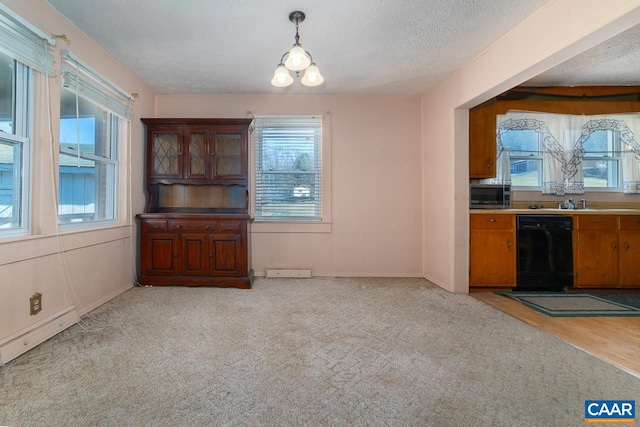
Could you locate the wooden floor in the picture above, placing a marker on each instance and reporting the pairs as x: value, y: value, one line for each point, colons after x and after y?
x: 613, y: 339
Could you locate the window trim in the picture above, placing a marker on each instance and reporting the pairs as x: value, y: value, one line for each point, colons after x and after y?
x: 88, y: 84
x: 293, y: 226
x: 288, y: 136
x: 536, y: 155
x: 114, y: 182
x: 25, y: 196
x: 616, y: 150
x: 23, y: 131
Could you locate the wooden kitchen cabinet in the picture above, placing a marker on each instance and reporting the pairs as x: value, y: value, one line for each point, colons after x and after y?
x: 596, y: 251
x: 492, y: 250
x: 194, y: 230
x: 482, y: 140
x: 629, y: 251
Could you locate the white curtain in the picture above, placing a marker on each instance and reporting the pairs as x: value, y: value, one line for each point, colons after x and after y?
x: 631, y: 173
x: 563, y: 138
x: 630, y: 144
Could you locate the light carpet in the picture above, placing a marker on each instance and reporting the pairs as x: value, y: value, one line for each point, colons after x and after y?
x: 304, y: 352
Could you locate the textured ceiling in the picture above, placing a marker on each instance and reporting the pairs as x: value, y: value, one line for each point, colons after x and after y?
x: 613, y: 62
x: 378, y: 47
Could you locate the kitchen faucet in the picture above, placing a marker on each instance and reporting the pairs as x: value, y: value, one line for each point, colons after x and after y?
x: 583, y: 203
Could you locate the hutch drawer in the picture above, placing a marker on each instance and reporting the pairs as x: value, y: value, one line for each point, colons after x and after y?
x: 193, y: 225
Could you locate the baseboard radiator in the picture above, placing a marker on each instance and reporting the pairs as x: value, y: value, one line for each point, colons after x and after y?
x: 288, y: 272
x: 27, y: 338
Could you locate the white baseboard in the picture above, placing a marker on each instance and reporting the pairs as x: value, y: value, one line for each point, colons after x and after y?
x: 29, y: 337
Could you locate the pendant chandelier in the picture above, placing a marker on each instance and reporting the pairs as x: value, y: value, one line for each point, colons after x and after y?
x: 297, y: 59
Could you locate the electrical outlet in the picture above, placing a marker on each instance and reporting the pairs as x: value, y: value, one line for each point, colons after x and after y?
x: 35, y: 303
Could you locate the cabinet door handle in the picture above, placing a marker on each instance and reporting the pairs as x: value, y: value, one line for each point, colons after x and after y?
x: 207, y: 227
x: 210, y: 255
x: 175, y: 255
x: 490, y: 163
x: 626, y: 245
x: 508, y: 245
x: 491, y: 220
x: 613, y: 245
x: 178, y: 226
x: 156, y: 226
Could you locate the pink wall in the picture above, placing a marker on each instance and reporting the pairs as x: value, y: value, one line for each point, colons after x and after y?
x: 399, y: 169
x: 375, y: 226
x: 558, y: 31
x: 80, y: 268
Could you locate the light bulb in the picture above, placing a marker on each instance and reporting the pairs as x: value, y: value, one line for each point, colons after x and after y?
x: 281, y: 77
x: 298, y: 59
x: 312, y: 76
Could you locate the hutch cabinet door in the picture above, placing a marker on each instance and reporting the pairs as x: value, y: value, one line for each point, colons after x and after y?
x: 196, y: 162
x: 228, y: 154
x: 165, y: 154
x: 227, y: 256
x: 194, y: 254
x: 160, y: 254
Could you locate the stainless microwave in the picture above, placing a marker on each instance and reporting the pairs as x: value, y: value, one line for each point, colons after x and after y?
x: 490, y: 196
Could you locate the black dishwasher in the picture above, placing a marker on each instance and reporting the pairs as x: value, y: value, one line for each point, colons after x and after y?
x: 545, y: 252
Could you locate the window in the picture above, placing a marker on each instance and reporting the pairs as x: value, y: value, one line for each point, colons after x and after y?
x: 15, y: 146
x: 601, y: 161
x: 23, y: 49
x: 88, y: 161
x: 566, y: 154
x: 93, y: 114
x: 288, y: 174
x: 525, y: 149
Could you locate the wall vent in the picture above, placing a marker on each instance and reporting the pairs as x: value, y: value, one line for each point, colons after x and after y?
x: 288, y: 272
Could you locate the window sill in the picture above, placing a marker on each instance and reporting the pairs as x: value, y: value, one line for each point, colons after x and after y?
x: 87, y: 225
x: 586, y: 189
x: 290, y: 227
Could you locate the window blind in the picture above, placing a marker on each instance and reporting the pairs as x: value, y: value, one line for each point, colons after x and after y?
x: 25, y: 43
x: 288, y: 168
x: 93, y: 87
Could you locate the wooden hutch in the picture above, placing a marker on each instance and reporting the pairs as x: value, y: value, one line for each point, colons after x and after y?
x: 194, y: 231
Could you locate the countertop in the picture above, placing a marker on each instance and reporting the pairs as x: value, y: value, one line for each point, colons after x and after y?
x: 555, y: 211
